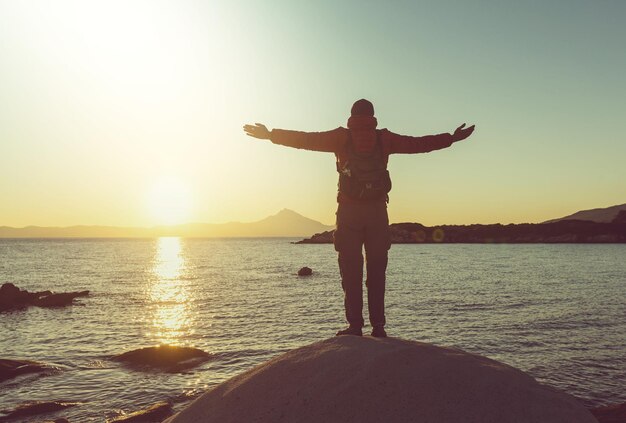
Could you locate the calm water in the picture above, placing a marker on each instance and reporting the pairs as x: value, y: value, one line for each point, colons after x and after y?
x: 557, y: 312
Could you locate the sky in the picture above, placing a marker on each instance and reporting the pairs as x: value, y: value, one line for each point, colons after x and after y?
x: 130, y: 113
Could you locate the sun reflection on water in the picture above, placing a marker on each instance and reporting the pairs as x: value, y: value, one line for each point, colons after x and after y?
x: 169, y: 293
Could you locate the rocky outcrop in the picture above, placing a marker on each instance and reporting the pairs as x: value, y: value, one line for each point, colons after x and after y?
x: 615, y: 413
x: 169, y: 358
x: 565, y: 231
x: 353, y: 379
x: 155, y: 413
x: 13, y: 368
x: 319, y: 238
x: 12, y: 298
x: 34, y: 408
x: 305, y: 271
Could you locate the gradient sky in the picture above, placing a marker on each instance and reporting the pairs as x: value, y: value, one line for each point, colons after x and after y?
x: 103, y: 102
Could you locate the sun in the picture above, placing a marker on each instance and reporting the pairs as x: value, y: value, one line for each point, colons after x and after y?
x: 169, y: 201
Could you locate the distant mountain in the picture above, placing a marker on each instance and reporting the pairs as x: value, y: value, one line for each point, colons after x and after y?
x: 285, y: 223
x: 604, y: 215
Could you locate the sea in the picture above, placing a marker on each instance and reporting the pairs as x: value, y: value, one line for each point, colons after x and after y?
x: 555, y: 311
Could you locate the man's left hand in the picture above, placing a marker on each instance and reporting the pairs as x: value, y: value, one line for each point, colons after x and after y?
x: 461, y: 133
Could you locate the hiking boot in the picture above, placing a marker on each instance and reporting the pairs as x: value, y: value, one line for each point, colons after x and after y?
x: 350, y: 330
x: 379, y: 332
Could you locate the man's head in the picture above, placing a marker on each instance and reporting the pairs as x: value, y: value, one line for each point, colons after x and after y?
x: 362, y: 107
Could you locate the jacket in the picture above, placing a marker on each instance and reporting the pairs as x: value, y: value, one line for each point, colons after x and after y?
x: 364, y: 135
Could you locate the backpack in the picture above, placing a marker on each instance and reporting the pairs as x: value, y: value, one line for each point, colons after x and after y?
x: 364, y: 176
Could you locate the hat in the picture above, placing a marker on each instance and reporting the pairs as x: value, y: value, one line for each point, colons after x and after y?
x: 362, y: 107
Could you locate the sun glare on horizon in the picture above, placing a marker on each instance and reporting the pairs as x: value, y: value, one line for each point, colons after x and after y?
x: 169, y: 202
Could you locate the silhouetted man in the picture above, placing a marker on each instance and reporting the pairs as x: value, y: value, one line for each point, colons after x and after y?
x: 362, y: 153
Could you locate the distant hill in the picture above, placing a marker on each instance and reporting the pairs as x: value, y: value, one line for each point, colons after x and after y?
x: 566, y: 231
x: 595, y: 226
x: 285, y: 223
x: 603, y: 215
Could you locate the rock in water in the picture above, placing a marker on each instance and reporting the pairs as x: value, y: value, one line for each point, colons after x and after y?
x: 155, y: 413
x: 58, y: 300
x: 353, y: 379
x: 13, y: 368
x: 36, y: 407
x: 305, y: 271
x: 11, y: 298
x: 169, y: 358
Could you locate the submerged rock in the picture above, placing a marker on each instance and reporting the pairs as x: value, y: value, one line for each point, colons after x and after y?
x: 615, y: 413
x: 169, y: 358
x: 305, y: 271
x: 12, y: 297
x: 353, y: 379
x: 13, y: 368
x: 33, y: 408
x: 58, y: 300
x: 154, y: 413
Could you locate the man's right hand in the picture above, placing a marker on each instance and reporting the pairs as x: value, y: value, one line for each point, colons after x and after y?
x: 258, y: 130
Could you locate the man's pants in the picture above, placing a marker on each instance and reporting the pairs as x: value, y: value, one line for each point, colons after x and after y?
x: 358, y: 225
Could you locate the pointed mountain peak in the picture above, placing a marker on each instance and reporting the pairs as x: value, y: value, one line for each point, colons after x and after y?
x: 287, y: 212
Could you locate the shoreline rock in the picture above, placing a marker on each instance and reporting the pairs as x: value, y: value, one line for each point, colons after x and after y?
x: 366, y: 380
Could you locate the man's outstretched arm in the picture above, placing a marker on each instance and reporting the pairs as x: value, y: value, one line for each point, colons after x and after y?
x: 317, y: 141
x: 404, y: 144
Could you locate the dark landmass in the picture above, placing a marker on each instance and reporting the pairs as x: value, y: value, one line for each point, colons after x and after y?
x: 13, y: 298
x: 564, y: 231
x: 285, y: 223
x: 169, y: 358
x: 601, y: 215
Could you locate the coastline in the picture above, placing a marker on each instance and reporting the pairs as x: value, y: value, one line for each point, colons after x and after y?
x: 561, y: 232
